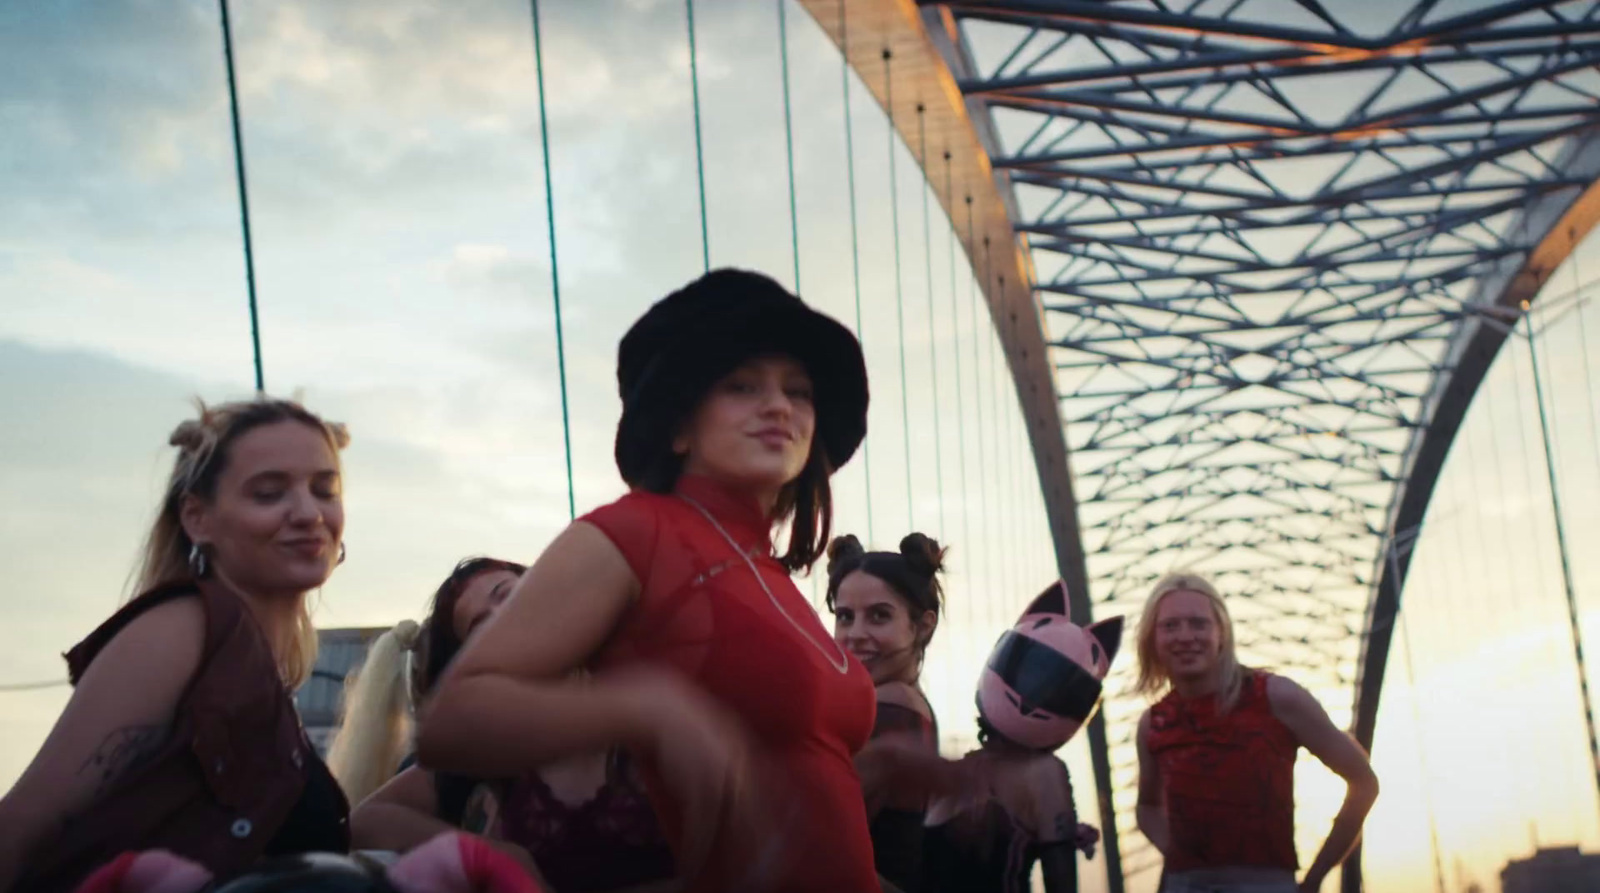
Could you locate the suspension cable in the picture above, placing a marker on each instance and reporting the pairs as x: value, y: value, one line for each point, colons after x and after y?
x: 788, y: 141
x: 933, y: 335
x: 977, y: 389
x: 955, y: 353
x: 855, y: 232
x: 555, y: 272
x: 899, y: 290
x: 699, y: 142
x: 244, y: 196
x: 1566, y: 566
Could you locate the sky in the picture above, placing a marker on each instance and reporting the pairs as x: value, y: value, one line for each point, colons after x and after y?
x: 402, y: 260
x: 402, y: 265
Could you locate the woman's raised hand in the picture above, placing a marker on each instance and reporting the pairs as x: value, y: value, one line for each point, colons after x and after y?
x: 701, y: 754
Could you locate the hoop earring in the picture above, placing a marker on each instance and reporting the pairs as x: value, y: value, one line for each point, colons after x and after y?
x: 198, y: 566
x: 341, y: 554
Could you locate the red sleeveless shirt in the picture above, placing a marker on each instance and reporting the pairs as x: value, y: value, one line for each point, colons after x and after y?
x: 703, y: 614
x: 1228, y: 780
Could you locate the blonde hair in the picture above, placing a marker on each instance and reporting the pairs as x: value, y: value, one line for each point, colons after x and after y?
x: 1153, y: 678
x: 376, y: 727
x: 204, y: 444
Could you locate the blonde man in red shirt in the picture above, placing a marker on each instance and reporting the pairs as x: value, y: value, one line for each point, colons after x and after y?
x: 1217, y: 752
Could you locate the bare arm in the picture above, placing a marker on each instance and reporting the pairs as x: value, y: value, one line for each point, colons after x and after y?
x: 1297, y: 709
x: 1151, y: 812
x: 1055, y: 821
x: 398, y: 816
x: 505, y: 706
x: 404, y: 814
x: 120, y: 713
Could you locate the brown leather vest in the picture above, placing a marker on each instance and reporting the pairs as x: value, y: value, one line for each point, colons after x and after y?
x: 225, y: 780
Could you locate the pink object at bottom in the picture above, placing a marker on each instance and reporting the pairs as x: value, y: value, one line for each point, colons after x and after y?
x: 449, y: 863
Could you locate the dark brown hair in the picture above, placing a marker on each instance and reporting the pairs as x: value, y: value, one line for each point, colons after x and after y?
x: 912, y: 573
x: 438, y: 644
x: 806, y: 502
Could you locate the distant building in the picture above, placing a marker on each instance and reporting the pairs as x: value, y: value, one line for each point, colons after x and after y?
x: 340, y: 652
x: 1552, y: 870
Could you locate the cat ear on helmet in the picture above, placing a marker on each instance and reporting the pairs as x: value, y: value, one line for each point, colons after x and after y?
x: 1051, y: 601
x: 1108, y: 633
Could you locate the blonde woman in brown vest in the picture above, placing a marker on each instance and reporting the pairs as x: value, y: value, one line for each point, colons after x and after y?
x: 181, y: 734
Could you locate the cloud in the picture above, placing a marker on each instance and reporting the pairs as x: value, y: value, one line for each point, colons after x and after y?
x: 433, y: 474
x: 495, y: 270
x: 401, y: 265
x: 430, y: 473
x: 83, y: 470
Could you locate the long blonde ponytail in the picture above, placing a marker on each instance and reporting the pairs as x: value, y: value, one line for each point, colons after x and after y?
x: 376, y: 728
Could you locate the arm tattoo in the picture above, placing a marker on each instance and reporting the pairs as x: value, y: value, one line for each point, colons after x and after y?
x: 121, y: 751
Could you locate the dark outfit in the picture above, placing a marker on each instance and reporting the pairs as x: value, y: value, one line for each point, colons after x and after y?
x: 897, y: 828
x: 319, y: 821
x: 609, y: 842
x: 236, y: 778
x: 990, y: 853
x: 985, y: 849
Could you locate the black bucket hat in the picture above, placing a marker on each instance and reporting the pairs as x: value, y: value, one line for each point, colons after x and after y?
x: 686, y: 341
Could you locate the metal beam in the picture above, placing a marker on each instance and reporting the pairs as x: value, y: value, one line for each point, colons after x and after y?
x: 1559, y: 222
x: 929, y: 54
x: 1165, y: 176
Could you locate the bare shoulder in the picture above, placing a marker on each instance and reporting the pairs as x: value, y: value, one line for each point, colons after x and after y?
x: 583, y: 555
x: 1304, y: 716
x: 121, y: 708
x: 1287, y: 696
x: 1047, y: 770
x: 1306, y: 719
x: 901, y: 694
x: 168, y: 635
x: 1279, y: 685
x: 141, y: 673
x: 559, y: 614
x: 587, y: 539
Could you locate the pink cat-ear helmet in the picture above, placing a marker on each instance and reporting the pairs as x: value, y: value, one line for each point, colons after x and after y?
x: 1042, y: 682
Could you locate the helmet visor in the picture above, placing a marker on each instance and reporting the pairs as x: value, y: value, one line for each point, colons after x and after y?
x: 1044, y: 678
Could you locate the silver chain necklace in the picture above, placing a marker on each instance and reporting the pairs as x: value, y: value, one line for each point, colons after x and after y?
x: 843, y: 663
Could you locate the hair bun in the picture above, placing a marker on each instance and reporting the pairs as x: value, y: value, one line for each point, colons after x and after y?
x: 845, y: 553
x: 191, y: 434
x: 923, y: 554
x: 339, y: 433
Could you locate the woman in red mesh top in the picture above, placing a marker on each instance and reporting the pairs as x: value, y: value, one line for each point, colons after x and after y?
x: 739, y: 401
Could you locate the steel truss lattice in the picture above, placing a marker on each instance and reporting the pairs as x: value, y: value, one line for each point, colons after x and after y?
x: 1267, y: 234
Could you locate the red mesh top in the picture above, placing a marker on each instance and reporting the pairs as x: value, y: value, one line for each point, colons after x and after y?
x: 1229, y: 780
x: 703, y: 614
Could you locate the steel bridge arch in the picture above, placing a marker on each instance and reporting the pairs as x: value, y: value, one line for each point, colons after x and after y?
x: 1130, y: 167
